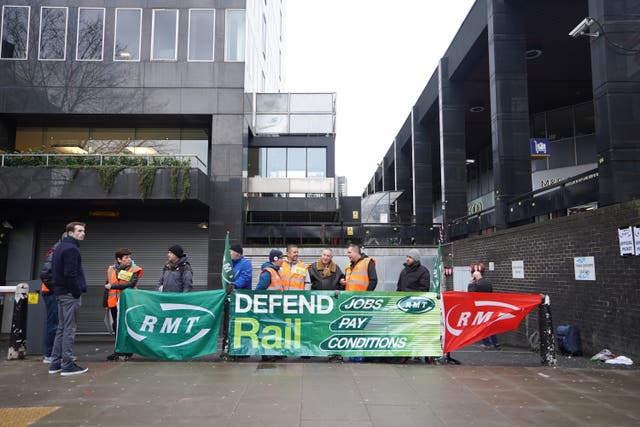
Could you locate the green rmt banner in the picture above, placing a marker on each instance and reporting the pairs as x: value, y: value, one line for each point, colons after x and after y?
x: 171, y: 326
x: 227, y: 264
x: 322, y: 323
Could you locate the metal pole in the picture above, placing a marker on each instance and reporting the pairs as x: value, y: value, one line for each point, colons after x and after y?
x: 545, y: 327
x: 18, y: 337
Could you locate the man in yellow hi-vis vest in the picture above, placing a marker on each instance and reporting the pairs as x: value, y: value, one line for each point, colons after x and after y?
x: 360, y: 274
x: 293, y: 271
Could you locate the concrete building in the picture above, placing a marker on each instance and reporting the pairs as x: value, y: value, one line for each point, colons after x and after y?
x: 156, y: 125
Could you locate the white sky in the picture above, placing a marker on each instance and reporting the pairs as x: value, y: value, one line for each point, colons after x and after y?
x: 377, y: 56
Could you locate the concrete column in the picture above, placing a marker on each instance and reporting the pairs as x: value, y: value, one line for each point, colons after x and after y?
x: 453, y: 169
x: 404, y: 175
x: 616, y: 90
x: 422, y: 173
x: 509, y: 103
x: 226, y: 197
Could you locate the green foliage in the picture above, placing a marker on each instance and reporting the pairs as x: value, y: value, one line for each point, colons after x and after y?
x: 146, y: 178
x: 109, y: 166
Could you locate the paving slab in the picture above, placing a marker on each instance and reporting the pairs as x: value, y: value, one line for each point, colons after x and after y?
x: 506, y: 388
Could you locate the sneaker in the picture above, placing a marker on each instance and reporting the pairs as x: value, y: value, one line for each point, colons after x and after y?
x: 497, y: 347
x: 47, y: 359
x: 55, y: 367
x: 335, y: 358
x: 73, y: 369
x: 484, y: 346
x: 112, y: 356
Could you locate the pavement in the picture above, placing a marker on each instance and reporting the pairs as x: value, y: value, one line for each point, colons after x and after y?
x: 489, y: 388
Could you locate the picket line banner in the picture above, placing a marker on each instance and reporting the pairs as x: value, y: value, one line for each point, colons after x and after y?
x: 170, y: 326
x: 322, y: 323
x: 471, y: 316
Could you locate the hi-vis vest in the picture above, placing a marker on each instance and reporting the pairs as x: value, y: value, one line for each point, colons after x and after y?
x: 357, y: 277
x: 276, y: 283
x: 293, y: 279
x: 123, y: 276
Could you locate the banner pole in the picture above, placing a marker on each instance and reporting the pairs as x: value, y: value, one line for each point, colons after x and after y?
x: 545, y: 329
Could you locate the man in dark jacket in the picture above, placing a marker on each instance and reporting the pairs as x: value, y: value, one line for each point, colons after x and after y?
x: 324, y: 274
x: 69, y: 284
x: 177, y: 275
x: 415, y: 276
x: 480, y: 284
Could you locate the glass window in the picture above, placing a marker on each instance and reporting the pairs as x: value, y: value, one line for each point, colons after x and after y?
x: 316, y: 162
x: 585, y: 124
x: 560, y: 124
x: 164, y: 41
x: 253, y: 162
x: 276, y: 162
x: 127, y: 37
x: 90, y: 41
x: 562, y: 154
x: 15, y: 32
x: 296, y: 162
x: 53, y: 33
x: 234, y: 35
x: 201, y: 34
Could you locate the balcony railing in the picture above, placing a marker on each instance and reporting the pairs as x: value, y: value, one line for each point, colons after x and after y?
x: 93, y: 160
x: 260, y: 185
x: 293, y: 113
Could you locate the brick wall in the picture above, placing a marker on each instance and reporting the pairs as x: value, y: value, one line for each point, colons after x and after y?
x: 606, y: 310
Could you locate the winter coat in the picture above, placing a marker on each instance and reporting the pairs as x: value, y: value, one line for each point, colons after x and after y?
x: 68, y: 276
x: 321, y: 283
x: 242, y: 273
x: 176, y: 277
x: 414, y: 278
x: 482, y: 285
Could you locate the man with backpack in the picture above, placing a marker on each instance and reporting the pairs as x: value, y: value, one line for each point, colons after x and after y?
x: 46, y: 290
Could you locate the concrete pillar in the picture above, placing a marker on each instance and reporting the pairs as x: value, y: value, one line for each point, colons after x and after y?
x: 422, y: 173
x: 506, y: 30
x: 404, y: 176
x: 616, y: 90
x: 453, y: 169
x: 226, y: 197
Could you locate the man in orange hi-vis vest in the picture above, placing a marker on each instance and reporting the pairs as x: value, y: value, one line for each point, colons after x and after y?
x: 360, y: 274
x: 120, y: 276
x: 293, y: 271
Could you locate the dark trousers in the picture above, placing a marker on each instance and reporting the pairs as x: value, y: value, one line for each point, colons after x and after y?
x: 68, y: 308
x: 51, y: 326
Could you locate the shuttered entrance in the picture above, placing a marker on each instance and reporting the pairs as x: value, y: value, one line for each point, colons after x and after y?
x: 149, y: 242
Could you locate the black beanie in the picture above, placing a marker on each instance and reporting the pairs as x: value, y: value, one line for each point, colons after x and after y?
x: 177, y: 250
x: 236, y: 248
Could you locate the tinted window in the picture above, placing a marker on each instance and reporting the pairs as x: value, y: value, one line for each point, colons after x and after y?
x: 201, y: 34
x: 165, y: 26
x: 127, y: 38
x: 234, y: 36
x: 53, y: 33
x: 90, y: 34
x: 316, y: 162
x: 15, y: 32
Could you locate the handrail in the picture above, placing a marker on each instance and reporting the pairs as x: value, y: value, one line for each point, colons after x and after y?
x: 149, y: 157
x: 562, y: 183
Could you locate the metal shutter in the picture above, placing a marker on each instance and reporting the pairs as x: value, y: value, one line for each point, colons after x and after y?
x: 149, y: 242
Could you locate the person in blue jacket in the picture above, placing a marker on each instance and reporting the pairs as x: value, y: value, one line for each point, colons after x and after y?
x: 241, y: 268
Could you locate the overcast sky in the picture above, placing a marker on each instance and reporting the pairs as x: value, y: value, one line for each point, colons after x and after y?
x: 377, y: 56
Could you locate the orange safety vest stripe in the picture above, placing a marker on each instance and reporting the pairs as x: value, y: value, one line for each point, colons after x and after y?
x: 44, y: 288
x: 114, y: 294
x: 276, y: 283
x: 292, y: 279
x: 358, y: 277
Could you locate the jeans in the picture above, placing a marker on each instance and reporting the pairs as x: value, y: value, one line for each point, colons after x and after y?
x: 52, y: 322
x: 492, y: 340
x: 68, y: 308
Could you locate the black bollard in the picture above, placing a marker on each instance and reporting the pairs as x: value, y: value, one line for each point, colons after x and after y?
x: 545, y: 328
x: 18, y: 337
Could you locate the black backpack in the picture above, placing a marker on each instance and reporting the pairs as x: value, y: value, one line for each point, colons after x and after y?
x: 46, y: 272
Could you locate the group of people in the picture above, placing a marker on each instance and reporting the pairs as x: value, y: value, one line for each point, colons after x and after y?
x: 63, y: 283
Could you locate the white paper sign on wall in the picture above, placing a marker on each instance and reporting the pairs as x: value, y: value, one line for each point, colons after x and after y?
x: 584, y: 268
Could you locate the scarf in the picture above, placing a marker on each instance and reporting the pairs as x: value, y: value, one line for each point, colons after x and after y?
x: 327, y: 270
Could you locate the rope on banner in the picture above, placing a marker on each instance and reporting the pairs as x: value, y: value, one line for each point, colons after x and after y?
x: 545, y: 326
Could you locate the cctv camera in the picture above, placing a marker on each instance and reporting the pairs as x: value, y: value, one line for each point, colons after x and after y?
x: 581, y: 28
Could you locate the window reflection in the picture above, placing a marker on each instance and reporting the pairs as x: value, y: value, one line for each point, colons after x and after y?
x: 90, y: 40
x: 53, y: 33
x: 201, y: 34
x: 234, y: 35
x: 15, y: 32
x: 127, y: 37
x: 164, y: 44
x: 287, y: 162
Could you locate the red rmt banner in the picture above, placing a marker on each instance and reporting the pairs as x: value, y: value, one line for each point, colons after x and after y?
x: 471, y: 316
